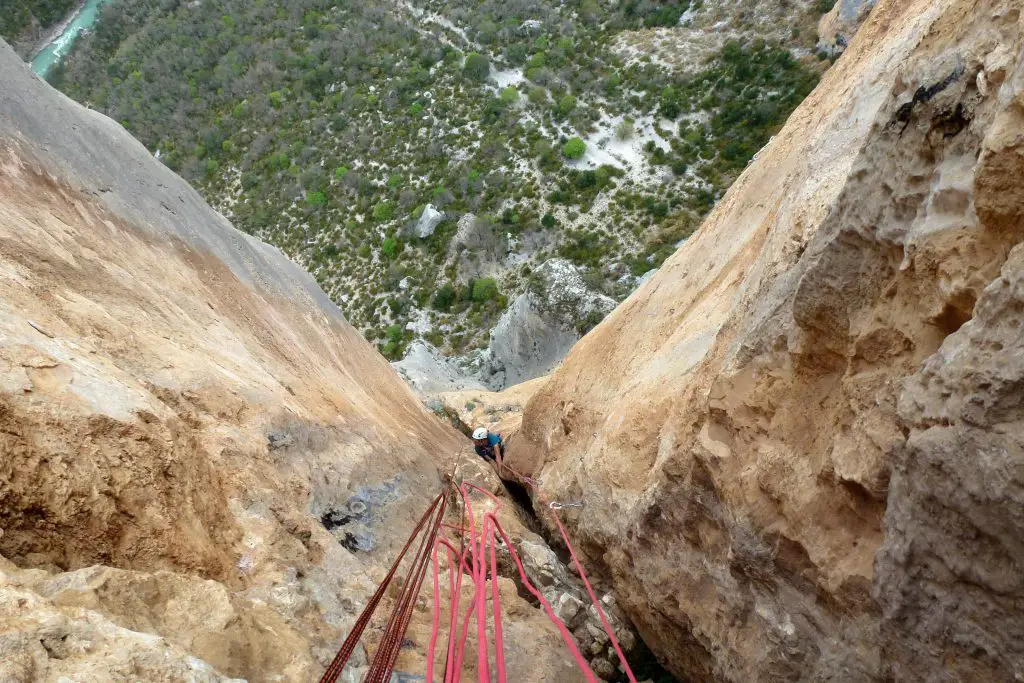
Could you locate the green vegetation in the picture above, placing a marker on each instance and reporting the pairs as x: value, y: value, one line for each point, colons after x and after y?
x: 383, y: 211
x: 476, y: 67
x: 509, y: 95
x: 752, y: 89
x: 575, y: 148
x: 16, y: 15
x: 485, y: 289
x: 327, y: 128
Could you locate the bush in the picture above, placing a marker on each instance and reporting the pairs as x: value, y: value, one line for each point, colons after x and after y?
x: 509, y: 95
x: 566, y: 104
x: 444, y: 297
x: 389, y: 247
x: 574, y: 149
x: 548, y: 221
x: 485, y: 289
x: 394, y: 348
x: 476, y: 67
x: 383, y: 211
x: 316, y: 199
x: 624, y: 131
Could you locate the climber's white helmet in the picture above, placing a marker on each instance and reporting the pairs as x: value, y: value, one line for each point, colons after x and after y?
x: 480, y: 433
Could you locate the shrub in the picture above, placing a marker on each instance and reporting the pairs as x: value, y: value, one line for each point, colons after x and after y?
x: 444, y: 297
x: 566, y: 104
x: 575, y: 148
x: 383, y: 211
x: 548, y: 221
x: 485, y: 289
x: 476, y: 67
x: 316, y: 199
x: 509, y: 95
x: 624, y: 131
x: 395, y: 345
x: 340, y: 172
x: 389, y: 247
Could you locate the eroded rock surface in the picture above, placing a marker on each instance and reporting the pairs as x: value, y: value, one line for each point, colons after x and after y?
x: 540, y: 326
x: 204, y: 470
x: 735, y: 425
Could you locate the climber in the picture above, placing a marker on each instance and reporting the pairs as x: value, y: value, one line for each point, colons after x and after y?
x: 489, y: 446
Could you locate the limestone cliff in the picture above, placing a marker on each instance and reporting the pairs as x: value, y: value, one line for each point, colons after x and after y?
x: 204, y: 470
x: 801, y: 443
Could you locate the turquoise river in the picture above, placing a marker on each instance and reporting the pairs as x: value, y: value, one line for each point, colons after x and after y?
x: 56, y: 49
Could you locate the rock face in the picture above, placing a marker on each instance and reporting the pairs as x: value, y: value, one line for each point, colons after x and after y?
x: 500, y: 411
x: 829, y: 368
x: 949, y: 572
x: 204, y: 470
x: 428, y: 222
x: 837, y: 27
x: 429, y: 372
x: 540, y: 326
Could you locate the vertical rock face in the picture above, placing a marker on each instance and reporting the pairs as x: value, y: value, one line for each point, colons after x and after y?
x: 204, y: 470
x: 540, y: 326
x: 828, y: 368
x: 949, y: 573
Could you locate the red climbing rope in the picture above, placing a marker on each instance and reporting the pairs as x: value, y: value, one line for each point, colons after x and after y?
x: 483, y: 549
x: 579, y: 568
x: 348, y: 646
x: 476, y: 559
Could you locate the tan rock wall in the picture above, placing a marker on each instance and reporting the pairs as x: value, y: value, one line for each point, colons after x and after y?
x: 183, y: 414
x: 733, y: 425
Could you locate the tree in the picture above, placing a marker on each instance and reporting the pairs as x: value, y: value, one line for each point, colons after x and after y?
x: 574, y: 149
x: 444, y: 298
x: 476, y: 67
x: 538, y: 95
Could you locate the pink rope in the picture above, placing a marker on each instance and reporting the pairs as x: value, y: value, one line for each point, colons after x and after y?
x: 593, y: 598
x: 583, y: 575
x: 566, y: 636
x: 482, y: 548
x: 499, y: 642
x: 454, y: 588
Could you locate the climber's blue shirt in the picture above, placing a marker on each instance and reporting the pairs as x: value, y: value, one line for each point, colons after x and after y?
x: 487, y: 450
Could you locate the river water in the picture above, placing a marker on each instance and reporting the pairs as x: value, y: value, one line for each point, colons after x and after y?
x: 59, y: 47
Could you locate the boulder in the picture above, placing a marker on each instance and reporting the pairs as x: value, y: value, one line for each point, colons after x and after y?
x: 429, y: 372
x: 428, y: 222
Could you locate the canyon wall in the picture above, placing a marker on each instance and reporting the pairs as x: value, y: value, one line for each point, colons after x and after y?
x: 204, y: 470
x: 800, y: 443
